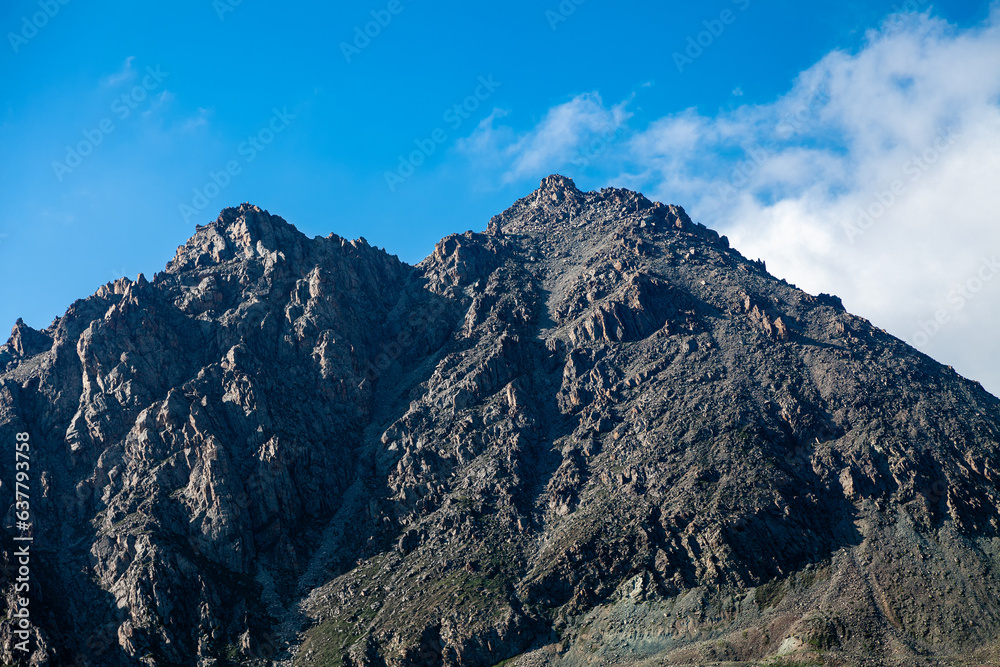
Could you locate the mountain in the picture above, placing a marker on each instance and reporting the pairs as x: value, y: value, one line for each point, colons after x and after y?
x: 593, y: 434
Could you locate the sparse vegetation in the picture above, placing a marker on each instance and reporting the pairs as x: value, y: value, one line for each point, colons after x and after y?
x: 769, y: 594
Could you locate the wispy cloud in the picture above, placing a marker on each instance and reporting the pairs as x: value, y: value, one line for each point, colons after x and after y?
x: 192, y: 123
x: 126, y: 73
x: 561, y: 135
x: 158, y: 101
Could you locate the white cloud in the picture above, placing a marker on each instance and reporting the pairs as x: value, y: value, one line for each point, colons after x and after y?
x: 567, y: 132
x: 880, y: 186
x: 875, y: 178
x: 157, y: 102
x: 485, y: 140
x: 193, y: 123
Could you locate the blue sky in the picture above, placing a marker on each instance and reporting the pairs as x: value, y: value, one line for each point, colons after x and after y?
x: 123, y: 125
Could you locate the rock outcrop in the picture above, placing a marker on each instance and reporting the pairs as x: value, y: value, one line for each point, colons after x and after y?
x: 593, y: 434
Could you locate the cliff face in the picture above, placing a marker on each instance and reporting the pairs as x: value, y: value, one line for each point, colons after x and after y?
x: 593, y: 434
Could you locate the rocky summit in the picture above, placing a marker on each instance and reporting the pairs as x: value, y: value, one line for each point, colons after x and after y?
x: 593, y: 434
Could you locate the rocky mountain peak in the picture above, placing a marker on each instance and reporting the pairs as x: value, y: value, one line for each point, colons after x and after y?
x: 557, y: 206
x: 27, y: 341
x: 557, y: 183
x: 254, y: 229
x: 595, y: 434
x: 243, y: 231
x: 248, y: 220
x: 547, y: 209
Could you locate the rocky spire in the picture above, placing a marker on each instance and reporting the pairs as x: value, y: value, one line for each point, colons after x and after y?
x: 550, y: 208
x: 557, y: 183
x: 26, y: 341
x: 241, y: 231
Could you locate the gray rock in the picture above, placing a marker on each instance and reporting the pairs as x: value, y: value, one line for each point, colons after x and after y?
x: 594, y: 434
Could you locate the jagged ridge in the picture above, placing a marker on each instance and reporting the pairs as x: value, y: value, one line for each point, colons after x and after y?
x: 594, y: 432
